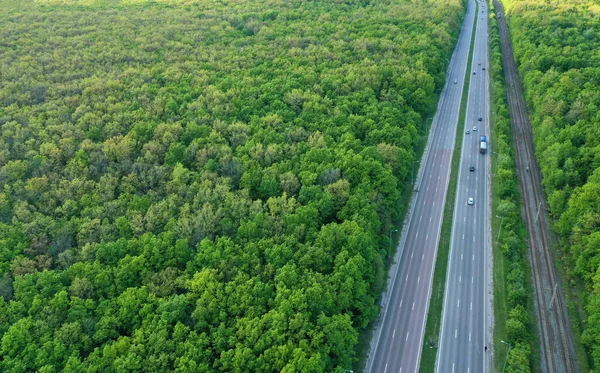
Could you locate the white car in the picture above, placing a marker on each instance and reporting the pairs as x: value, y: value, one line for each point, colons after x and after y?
x: 470, y: 201
x: 467, y: 132
x: 474, y: 128
x: 455, y: 81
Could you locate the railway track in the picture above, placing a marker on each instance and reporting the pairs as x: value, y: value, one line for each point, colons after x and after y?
x: 556, y: 340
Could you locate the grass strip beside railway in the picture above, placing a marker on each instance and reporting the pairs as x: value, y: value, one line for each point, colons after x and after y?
x: 436, y: 303
x: 514, y: 313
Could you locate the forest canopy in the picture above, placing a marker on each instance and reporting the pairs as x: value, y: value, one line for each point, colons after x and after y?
x: 205, y: 186
x: 556, y: 46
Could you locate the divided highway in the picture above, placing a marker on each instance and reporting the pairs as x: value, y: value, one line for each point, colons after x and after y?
x: 465, y: 325
x: 398, y: 338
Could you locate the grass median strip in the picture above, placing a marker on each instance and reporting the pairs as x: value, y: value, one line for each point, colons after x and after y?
x: 434, y: 316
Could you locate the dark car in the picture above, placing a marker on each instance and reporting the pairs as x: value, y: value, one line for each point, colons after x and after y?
x: 472, y: 168
x: 473, y: 72
x: 483, y: 68
x: 480, y: 119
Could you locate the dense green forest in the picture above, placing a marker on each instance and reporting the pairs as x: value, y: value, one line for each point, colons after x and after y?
x: 205, y: 186
x: 556, y: 46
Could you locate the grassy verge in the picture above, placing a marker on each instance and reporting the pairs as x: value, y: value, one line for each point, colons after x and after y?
x: 575, y: 293
x: 500, y: 265
x: 514, y: 313
x: 436, y: 302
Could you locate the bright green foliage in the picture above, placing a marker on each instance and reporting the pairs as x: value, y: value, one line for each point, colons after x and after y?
x: 516, y: 324
x: 205, y: 186
x: 556, y: 46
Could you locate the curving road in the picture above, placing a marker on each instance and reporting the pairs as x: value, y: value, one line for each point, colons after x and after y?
x: 465, y: 325
x: 398, y: 338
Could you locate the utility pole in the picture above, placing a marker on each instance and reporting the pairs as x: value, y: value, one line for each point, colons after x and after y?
x: 538, y: 213
x: 413, y: 172
x: 499, y: 230
x: 391, y: 231
x: 509, y: 347
x: 553, y: 296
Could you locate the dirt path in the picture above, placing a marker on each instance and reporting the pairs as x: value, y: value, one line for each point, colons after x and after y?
x: 556, y: 339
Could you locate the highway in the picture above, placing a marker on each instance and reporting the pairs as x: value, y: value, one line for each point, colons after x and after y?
x: 398, y: 337
x: 465, y: 330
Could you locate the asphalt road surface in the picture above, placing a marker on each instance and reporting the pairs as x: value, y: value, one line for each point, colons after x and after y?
x: 398, y: 338
x: 463, y: 335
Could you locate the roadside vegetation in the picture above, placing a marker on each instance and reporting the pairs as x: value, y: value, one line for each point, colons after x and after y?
x: 205, y: 186
x: 514, y: 317
x: 556, y: 47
